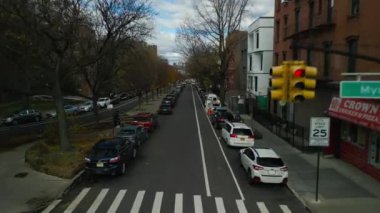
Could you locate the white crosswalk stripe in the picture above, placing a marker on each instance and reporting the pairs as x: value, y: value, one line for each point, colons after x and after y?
x: 137, y: 204
x: 198, y: 208
x: 241, y: 206
x: 285, y: 209
x: 77, y: 200
x: 95, y: 205
x: 178, y: 206
x: 157, y: 202
x: 220, y: 205
x: 262, y: 207
x: 116, y: 203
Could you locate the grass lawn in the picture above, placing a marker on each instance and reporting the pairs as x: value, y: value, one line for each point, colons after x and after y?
x: 49, y: 159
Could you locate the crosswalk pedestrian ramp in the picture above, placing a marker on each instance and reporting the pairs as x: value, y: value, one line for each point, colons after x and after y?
x: 111, y: 201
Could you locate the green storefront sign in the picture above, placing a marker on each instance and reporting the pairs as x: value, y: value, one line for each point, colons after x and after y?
x: 360, y: 89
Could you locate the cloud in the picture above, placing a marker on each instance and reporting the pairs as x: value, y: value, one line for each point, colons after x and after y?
x: 172, y: 13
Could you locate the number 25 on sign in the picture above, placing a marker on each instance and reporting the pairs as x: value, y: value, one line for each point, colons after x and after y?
x: 319, y: 131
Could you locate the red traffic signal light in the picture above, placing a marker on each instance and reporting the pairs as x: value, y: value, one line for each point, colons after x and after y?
x: 299, y: 73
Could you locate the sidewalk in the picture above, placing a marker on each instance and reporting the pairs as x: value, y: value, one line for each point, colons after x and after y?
x: 342, y: 187
x: 26, y: 190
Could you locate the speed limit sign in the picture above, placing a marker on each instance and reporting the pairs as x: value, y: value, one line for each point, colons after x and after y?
x: 319, y: 131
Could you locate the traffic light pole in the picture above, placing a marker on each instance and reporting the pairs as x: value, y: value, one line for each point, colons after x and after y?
x: 294, y: 122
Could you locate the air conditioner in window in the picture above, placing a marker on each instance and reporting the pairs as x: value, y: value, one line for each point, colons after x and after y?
x: 285, y: 1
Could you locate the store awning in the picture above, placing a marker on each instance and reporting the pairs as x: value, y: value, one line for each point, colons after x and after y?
x: 361, y: 112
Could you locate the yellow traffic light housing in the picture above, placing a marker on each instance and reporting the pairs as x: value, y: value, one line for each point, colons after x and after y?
x: 301, y: 82
x: 279, y: 82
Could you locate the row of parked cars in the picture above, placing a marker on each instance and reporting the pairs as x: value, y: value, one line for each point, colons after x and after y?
x: 262, y: 164
x: 111, y: 156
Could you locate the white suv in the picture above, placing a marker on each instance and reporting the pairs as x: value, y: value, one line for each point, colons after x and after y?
x: 103, y: 102
x: 263, y: 165
x: 238, y: 134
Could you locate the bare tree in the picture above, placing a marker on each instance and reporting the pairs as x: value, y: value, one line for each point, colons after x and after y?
x: 215, y: 21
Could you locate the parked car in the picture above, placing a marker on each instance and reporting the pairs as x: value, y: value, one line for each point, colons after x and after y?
x: 237, y: 134
x: 103, y: 102
x: 110, y: 156
x: 23, y: 116
x: 125, y: 96
x: 168, y: 101
x: 71, y: 109
x: 219, y: 117
x: 147, y: 120
x: 165, y: 109
x: 136, y: 134
x: 86, y: 107
x: 263, y: 165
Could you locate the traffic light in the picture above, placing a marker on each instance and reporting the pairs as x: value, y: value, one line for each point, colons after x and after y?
x: 302, y: 82
x: 279, y: 82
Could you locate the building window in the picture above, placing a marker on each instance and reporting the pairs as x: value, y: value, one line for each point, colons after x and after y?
x: 354, y: 134
x: 250, y: 62
x: 255, y: 83
x: 326, y: 58
x: 277, y: 37
x: 295, y: 52
x: 285, y: 26
x: 374, y: 149
x: 330, y: 5
x: 320, y: 6
x: 284, y: 55
x: 297, y: 20
x: 276, y: 59
x: 261, y: 61
x: 249, y: 82
x: 352, y: 50
x: 309, y: 56
x: 257, y: 39
x: 354, y: 7
x: 311, y: 14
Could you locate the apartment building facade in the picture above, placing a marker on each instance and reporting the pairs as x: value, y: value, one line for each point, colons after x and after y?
x: 259, y: 61
x: 336, y: 37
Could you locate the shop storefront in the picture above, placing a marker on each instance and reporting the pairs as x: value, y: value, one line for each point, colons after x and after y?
x: 355, y: 133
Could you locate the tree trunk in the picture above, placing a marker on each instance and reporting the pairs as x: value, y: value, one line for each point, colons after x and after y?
x: 62, y: 124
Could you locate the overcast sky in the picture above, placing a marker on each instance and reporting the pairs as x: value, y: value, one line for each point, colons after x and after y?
x: 171, y: 14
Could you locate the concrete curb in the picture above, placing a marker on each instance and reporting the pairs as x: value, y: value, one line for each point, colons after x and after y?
x: 299, y: 197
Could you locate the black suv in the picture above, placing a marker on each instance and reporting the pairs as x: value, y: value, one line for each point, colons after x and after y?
x: 110, y: 156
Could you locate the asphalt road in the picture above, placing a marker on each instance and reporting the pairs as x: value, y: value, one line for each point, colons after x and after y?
x: 183, y: 167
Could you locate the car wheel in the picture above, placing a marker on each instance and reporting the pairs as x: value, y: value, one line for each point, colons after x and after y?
x: 122, y: 169
x: 134, y: 153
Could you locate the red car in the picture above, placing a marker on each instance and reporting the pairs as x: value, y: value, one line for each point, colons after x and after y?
x: 147, y: 120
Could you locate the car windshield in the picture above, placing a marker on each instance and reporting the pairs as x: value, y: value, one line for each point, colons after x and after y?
x: 102, y: 99
x: 143, y: 119
x: 270, y: 162
x: 242, y: 131
x: 127, y: 132
x: 103, y: 152
x: 165, y: 106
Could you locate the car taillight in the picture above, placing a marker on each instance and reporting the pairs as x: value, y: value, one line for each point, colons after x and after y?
x: 115, y: 159
x: 233, y: 135
x: 220, y: 119
x: 251, y: 136
x: 284, y: 169
x: 256, y: 167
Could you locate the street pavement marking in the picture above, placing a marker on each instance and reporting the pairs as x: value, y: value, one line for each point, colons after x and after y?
x: 157, y: 202
x: 116, y: 203
x: 178, y: 203
x: 208, y: 192
x: 51, y: 206
x: 220, y: 205
x: 224, y: 155
x: 137, y: 204
x: 95, y: 205
x: 198, y: 204
x: 262, y: 207
x: 285, y: 209
x: 241, y: 206
x: 77, y: 200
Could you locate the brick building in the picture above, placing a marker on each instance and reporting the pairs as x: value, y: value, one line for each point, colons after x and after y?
x: 336, y: 37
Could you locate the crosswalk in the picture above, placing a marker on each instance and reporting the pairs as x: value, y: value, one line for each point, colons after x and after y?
x: 114, y: 201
